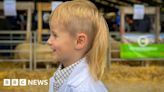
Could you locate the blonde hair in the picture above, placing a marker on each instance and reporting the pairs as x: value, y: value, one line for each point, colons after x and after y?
x: 83, y: 16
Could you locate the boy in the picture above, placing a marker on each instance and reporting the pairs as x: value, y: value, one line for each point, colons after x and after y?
x: 79, y: 39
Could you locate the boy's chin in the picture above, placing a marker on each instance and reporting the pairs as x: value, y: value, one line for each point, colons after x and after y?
x: 55, y: 59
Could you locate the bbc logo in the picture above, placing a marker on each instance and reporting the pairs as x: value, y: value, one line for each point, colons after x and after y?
x: 14, y: 82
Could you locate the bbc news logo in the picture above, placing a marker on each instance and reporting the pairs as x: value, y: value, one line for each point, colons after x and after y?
x: 23, y: 82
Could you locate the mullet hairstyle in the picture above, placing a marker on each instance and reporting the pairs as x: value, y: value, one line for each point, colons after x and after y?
x: 83, y: 16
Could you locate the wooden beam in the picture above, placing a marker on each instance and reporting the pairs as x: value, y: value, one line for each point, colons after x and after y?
x: 40, y: 8
x: 44, y: 6
x: 148, y: 10
x: 21, y: 5
x: 157, y: 26
x: 122, y: 23
x: 28, y: 27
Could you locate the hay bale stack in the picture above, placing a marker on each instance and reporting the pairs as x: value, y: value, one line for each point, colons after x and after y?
x: 39, y: 51
x: 23, y: 51
x: 43, y: 52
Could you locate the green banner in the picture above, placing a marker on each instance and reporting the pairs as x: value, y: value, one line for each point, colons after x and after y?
x: 134, y: 51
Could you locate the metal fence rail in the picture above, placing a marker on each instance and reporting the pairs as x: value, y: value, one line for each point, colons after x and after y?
x: 37, y: 53
x: 12, y: 39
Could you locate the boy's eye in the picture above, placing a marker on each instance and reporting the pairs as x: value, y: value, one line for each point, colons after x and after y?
x: 54, y: 35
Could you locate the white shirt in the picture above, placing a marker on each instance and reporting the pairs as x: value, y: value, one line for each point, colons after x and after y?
x: 79, y: 80
x: 62, y: 74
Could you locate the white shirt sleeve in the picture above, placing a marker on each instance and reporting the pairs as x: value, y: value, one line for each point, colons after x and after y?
x: 88, y: 86
x: 51, y: 84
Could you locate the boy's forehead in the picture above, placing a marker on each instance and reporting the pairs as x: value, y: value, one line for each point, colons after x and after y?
x: 57, y: 26
x: 53, y: 24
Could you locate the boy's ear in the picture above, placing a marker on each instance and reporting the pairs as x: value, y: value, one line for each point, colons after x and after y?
x: 81, y: 41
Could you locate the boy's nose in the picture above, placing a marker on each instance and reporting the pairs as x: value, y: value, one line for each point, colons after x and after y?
x: 49, y: 41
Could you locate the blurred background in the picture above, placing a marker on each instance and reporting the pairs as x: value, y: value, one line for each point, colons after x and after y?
x: 136, y: 53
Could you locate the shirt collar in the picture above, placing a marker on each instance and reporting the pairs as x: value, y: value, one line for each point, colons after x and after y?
x: 79, y: 74
x: 62, y: 74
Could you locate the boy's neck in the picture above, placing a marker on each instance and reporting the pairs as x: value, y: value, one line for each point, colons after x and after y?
x: 71, y: 61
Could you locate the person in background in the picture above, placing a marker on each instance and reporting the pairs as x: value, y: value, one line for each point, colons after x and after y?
x: 4, y: 23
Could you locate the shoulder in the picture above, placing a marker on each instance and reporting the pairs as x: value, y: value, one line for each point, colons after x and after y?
x: 51, y: 80
x: 89, y: 85
x: 82, y: 81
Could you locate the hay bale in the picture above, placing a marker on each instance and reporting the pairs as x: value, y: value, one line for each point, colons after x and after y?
x: 22, y: 51
x: 39, y: 52
x: 43, y: 52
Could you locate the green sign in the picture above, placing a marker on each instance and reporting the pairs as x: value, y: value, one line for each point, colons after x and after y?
x: 134, y: 51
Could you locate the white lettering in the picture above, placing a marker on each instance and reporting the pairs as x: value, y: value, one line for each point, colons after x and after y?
x: 37, y: 82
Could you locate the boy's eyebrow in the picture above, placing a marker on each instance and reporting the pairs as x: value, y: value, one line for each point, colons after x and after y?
x: 53, y: 32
